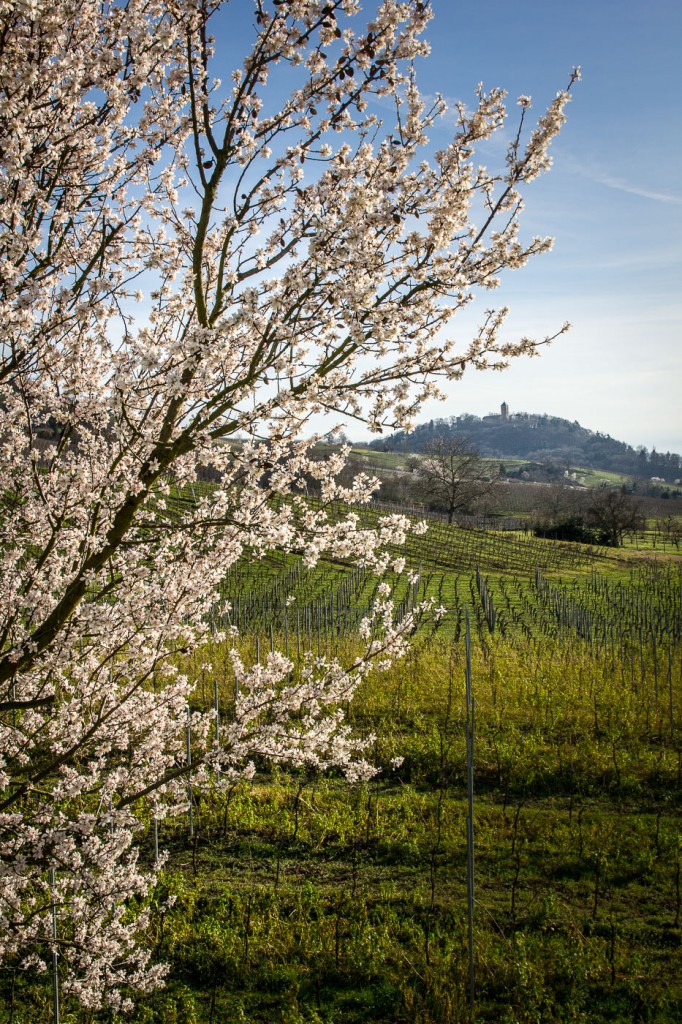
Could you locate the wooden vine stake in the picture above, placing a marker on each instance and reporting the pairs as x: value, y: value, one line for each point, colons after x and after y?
x: 470, y: 707
x: 189, y: 775
x: 55, y: 955
x: 216, y: 711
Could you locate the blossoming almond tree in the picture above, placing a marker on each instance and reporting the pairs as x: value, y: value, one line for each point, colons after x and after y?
x: 183, y: 259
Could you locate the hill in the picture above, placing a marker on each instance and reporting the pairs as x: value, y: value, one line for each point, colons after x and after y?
x: 540, y: 438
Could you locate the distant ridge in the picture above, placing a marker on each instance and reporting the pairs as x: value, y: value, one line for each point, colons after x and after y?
x: 539, y: 438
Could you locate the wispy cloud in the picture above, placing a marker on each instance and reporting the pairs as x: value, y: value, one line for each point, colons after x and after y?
x: 623, y: 186
x: 610, y: 181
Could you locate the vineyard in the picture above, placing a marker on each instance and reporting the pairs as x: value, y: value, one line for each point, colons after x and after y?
x: 299, y: 899
x: 514, y: 585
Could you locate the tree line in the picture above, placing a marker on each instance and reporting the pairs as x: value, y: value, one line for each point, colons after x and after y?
x: 542, y: 438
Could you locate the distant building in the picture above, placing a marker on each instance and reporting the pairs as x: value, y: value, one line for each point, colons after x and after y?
x: 504, y: 411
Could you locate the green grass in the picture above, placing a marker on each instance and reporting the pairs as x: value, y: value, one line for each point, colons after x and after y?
x: 303, y: 899
x: 382, y: 460
x: 587, y: 477
x: 597, y: 477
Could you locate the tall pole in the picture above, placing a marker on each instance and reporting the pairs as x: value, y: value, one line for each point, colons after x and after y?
x: 189, y: 776
x: 470, y: 707
x: 216, y: 708
x: 55, y: 974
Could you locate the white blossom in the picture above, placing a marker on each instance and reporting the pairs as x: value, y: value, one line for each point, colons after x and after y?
x: 189, y: 271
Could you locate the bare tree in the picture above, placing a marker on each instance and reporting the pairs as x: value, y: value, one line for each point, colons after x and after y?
x: 455, y: 474
x: 614, y: 514
x: 669, y: 529
x: 561, y: 515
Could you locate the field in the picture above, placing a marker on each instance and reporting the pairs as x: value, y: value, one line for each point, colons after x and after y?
x: 300, y: 898
x: 376, y: 461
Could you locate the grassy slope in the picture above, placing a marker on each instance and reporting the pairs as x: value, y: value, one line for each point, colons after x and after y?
x: 301, y: 899
x: 398, y: 460
x: 306, y: 900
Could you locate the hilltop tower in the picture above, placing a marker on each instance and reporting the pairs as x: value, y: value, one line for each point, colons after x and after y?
x: 504, y: 411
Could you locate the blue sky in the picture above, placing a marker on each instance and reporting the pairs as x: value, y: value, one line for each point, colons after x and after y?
x: 613, y: 202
